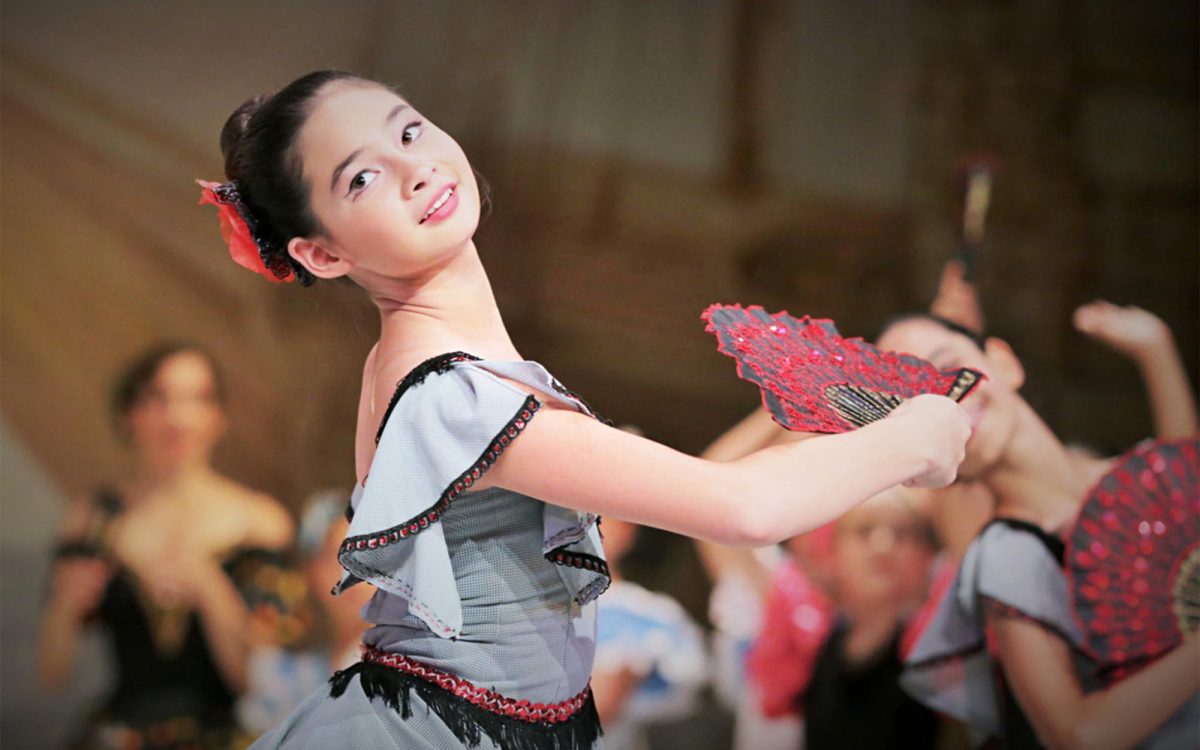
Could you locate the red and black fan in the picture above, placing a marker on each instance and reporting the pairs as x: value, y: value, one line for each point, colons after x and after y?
x: 1133, y: 557
x: 813, y: 380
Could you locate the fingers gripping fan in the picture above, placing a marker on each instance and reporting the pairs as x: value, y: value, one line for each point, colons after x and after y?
x: 1133, y: 557
x: 813, y: 380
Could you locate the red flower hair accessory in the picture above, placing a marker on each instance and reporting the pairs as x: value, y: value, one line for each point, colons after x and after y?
x: 813, y: 380
x: 238, y: 227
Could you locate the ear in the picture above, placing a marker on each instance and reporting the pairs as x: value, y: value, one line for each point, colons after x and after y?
x: 1007, y: 368
x: 316, y: 256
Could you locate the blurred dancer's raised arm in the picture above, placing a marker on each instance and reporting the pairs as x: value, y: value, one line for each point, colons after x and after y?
x: 1144, y: 338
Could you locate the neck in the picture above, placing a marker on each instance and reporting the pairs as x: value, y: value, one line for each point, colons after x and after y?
x: 151, y: 479
x: 1037, y: 480
x: 450, y: 306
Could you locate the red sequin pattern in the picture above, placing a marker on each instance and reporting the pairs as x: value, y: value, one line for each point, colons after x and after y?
x: 1133, y: 557
x: 813, y: 380
x: 522, y: 710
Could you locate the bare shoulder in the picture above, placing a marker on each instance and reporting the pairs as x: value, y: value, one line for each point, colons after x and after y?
x: 264, y: 520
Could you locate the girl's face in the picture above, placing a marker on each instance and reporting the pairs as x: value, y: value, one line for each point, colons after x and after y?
x: 394, y: 194
x: 993, y: 405
x: 177, y: 419
x: 882, y: 551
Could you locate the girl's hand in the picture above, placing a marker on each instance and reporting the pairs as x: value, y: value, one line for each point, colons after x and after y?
x: 1130, y: 330
x: 939, y: 428
x: 78, y: 585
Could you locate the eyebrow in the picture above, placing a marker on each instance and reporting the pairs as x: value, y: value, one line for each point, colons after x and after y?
x: 341, y: 167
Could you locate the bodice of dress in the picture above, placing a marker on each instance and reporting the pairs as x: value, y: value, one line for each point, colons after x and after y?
x: 151, y: 685
x: 490, y: 586
x: 524, y: 634
x: 155, y: 682
x: 860, y: 704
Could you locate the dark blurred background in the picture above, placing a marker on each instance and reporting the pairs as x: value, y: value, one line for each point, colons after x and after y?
x: 646, y: 159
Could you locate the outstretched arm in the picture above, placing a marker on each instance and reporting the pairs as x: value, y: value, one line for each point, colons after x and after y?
x: 568, y: 459
x: 1038, y: 666
x: 755, y: 431
x: 1144, y: 338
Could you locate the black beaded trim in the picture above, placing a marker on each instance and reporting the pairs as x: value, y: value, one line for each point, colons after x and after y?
x: 997, y: 608
x: 583, y: 560
x: 562, y: 390
x: 420, y: 522
x: 470, y: 724
x: 940, y: 659
x: 439, y: 364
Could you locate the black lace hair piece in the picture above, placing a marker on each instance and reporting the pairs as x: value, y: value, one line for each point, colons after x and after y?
x: 274, y: 256
x: 470, y: 723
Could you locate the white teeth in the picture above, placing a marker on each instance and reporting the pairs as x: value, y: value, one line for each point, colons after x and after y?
x: 440, y: 202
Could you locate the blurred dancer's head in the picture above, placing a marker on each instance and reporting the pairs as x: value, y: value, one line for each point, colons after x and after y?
x: 994, y: 405
x: 882, y: 551
x: 169, y: 403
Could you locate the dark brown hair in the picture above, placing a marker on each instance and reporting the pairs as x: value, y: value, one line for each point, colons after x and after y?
x: 978, y: 339
x: 131, y: 385
x: 258, y: 142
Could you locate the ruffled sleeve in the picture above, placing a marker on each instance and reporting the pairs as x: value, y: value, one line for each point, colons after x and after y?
x: 1009, y: 570
x: 570, y: 538
x: 443, y: 431
x: 438, y: 440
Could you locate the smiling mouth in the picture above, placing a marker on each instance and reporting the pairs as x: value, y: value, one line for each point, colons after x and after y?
x: 433, y: 209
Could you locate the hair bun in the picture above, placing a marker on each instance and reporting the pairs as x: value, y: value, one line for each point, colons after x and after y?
x: 235, y: 128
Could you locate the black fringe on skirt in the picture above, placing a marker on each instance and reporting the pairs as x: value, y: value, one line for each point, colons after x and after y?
x: 468, y: 722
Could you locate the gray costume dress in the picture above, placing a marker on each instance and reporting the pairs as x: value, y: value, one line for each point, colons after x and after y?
x: 1016, y: 569
x: 484, y: 621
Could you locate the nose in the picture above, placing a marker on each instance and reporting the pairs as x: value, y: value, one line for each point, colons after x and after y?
x: 882, y: 540
x: 179, y: 415
x: 419, y: 177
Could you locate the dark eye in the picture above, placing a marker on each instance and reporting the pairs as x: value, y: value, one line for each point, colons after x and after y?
x: 361, y: 180
x: 411, y: 132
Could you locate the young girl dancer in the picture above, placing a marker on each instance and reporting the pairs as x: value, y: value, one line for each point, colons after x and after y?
x: 1026, y: 681
x: 480, y: 474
